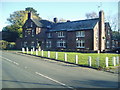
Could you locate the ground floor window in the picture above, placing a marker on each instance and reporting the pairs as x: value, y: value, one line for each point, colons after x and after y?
x: 80, y: 43
x: 32, y: 44
x: 108, y: 44
x: 61, y: 43
x: 25, y: 44
x: 48, y: 44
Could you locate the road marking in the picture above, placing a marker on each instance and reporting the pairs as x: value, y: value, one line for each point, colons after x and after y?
x: 54, y: 80
x: 9, y: 60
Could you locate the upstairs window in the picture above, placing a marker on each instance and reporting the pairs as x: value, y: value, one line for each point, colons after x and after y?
x: 80, y: 34
x: 31, y: 24
x: 38, y: 30
x: 49, y: 35
x: 80, y: 44
x: 60, y: 34
x: 108, y: 32
x: 25, y: 33
x: 32, y: 33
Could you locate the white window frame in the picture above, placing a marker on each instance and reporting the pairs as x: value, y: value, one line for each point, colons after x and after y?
x: 61, y: 43
x: 61, y: 34
x: 32, y: 44
x: 32, y: 32
x: 31, y: 24
x: 48, y: 44
x: 108, y: 44
x: 49, y: 35
x: 80, y: 33
x: 25, y: 33
x: 25, y: 44
x: 80, y: 44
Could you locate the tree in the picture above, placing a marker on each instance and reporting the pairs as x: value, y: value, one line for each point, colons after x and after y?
x: 17, y: 20
x: 30, y: 9
x: 10, y: 34
x: 116, y: 35
x: 91, y: 15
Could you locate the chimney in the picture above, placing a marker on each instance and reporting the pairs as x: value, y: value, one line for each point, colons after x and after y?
x: 68, y: 20
x: 55, y: 20
x: 101, y: 31
x: 29, y: 15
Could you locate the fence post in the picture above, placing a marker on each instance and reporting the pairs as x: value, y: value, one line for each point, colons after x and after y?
x: 23, y: 50
x: 98, y: 51
x: 114, y: 61
x: 31, y: 51
x: 106, y: 61
x: 56, y: 55
x: 65, y: 57
x: 27, y: 50
x: 76, y: 59
x: 36, y: 52
x: 89, y: 61
x: 48, y: 54
x: 39, y: 49
x: 42, y: 53
x: 97, y: 61
x: 117, y: 59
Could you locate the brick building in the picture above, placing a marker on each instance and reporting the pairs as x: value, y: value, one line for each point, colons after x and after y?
x: 81, y: 35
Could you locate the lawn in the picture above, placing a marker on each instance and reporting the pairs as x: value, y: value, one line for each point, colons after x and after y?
x: 82, y: 57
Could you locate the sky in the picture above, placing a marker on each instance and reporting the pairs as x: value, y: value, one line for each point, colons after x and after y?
x: 66, y: 10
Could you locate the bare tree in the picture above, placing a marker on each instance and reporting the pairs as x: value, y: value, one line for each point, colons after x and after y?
x: 113, y: 20
x: 91, y: 15
x: 62, y: 20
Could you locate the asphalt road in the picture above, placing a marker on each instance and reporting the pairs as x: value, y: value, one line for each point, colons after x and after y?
x: 25, y: 71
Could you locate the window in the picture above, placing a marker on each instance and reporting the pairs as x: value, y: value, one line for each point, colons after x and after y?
x: 38, y: 30
x: 25, y: 44
x: 25, y: 33
x: 48, y: 44
x: 80, y: 44
x: 49, y: 35
x: 108, y: 44
x: 31, y: 24
x: 61, y: 43
x: 32, y: 33
x: 80, y: 34
x: 60, y: 34
x: 108, y: 32
x: 32, y: 44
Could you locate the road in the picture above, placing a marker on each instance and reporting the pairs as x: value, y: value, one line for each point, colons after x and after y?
x: 25, y: 71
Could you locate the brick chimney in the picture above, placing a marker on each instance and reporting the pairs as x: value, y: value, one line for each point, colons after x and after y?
x: 101, y: 31
x: 29, y: 15
x: 55, y: 20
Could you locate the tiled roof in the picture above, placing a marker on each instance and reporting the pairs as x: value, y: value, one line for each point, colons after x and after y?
x: 75, y: 25
x: 67, y: 26
x: 43, y: 23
